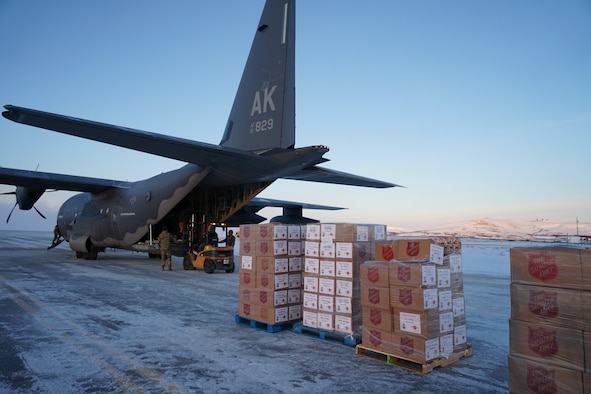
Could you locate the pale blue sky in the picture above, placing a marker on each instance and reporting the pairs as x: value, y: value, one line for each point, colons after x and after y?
x: 479, y: 108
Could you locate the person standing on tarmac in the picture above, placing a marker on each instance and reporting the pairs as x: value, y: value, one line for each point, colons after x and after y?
x: 164, y: 244
x: 230, y: 239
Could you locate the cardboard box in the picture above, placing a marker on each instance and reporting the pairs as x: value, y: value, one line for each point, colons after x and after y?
x: 375, y: 297
x: 310, y: 318
x: 294, y: 296
x: 326, y: 303
x: 294, y: 232
x: 264, y: 314
x: 296, y: 264
x: 417, y: 250
x: 262, y: 296
x: 460, y: 338
x: 378, y: 318
x: 294, y: 248
x: 559, y: 307
x: 247, y: 278
x: 295, y: 312
x: 295, y: 280
x: 377, y: 340
x: 327, y: 268
x: 375, y: 273
x: 551, y: 344
x: 413, y: 274
x: 247, y: 232
x: 529, y: 376
x: 445, y: 301
x: 347, y: 269
x: 272, y: 281
x: 413, y: 298
x: 271, y: 231
x: 327, y: 249
x: 346, y: 324
x: 270, y: 248
x: 548, y: 266
x: 312, y: 249
x: 458, y: 305
x: 311, y: 266
x: 326, y: 286
x: 413, y: 348
x: 270, y: 264
x: 344, y: 288
x: 325, y: 321
x: 312, y: 232
x: 311, y: 284
x: 443, y: 277
x: 421, y: 324
x: 355, y: 251
x: 310, y: 301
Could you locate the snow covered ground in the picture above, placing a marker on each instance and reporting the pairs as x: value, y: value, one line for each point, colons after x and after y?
x: 119, y: 324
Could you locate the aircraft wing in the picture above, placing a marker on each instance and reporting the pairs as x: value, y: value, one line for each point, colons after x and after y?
x: 326, y: 175
x: 200, y: 153
x: 46, y: 180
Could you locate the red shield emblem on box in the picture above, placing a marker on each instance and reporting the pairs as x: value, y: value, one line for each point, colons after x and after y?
x: 542, y: 341
x: 246, y: 247
x: 541, y: 380
x: 412, y: 248
x: 542, y: 266
x: 264, y: 247
x: 246, y: 278
x: 361, y: 250
x: 405, y: 296
x: 375, y: 316
x: 264, y: 280
x: 374, y: 296
x: 407, y: 346
x: 387, y: 252
x: 246, y: 231
x: 265, y: 265
x: 375, y: 337
x: 263, y: 297
x: 373, y: 274
x: 263, y: 231
x: 543, y: 303
x: 403, y: 273
x: 246, y: 295
x: 246, y: 309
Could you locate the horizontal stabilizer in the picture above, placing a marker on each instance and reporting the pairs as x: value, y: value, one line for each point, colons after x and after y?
x: 326, y: 175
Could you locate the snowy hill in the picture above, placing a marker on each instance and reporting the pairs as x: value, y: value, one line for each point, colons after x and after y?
x: 502, y: 229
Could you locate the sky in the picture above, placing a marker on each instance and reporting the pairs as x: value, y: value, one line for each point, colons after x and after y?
x: 480, y: 109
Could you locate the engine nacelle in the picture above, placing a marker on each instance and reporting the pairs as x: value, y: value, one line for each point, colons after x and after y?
x: 80, y: 243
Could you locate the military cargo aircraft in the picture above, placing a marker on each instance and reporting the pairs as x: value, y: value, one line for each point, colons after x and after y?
x: 219, y: 183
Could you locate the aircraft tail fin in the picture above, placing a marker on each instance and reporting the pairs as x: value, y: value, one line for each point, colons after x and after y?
x: 263, y: 113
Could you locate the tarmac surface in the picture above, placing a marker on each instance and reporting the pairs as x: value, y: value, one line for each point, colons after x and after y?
x: 119, y: 324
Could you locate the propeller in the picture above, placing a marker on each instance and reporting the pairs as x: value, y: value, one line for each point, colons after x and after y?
x: 26, y: 197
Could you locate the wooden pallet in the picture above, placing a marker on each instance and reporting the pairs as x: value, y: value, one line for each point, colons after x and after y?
x: 411, y: 365
x: 262, y: 325
x: 349, y: 340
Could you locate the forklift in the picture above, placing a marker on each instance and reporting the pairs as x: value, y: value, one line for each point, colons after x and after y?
x: 207, y: 254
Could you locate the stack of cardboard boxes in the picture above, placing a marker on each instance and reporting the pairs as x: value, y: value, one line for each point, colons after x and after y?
x: 413, y: 301
x: 270, y: 273
x: 333, y: 254
x: 550, y: 325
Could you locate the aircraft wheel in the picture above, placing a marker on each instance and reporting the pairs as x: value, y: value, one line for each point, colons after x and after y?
x: 209, y: 266
x: 231, y: 268
x: 93, y: 254
x: 187, y: 264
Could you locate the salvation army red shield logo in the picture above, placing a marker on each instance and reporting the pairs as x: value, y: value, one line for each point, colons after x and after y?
x: 403, y: 273
x: 542, y: 341
x: 264, y: 280
x: 264, y: 247
x: 412, y: 248
x: 263, y: 297
x: 375, y: 316
x: 246, y: 231
x: 246, y: 247
x: 373, y: 274
x: 405, y: 296
x: 265, y: 265
x: 246, y: 295
x: 246, y: 278
x: 387, y: 252
x: 263, y: 231
x: 543, y: 303
x: 542, y: 266
x: 407, y: 345
x: 374, y: 296
x: 246, y: 309
x: 375, y: 337
x: 541, y: 380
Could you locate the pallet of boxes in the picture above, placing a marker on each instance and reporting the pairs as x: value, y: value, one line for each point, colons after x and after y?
x: 413, y: 304
x: 333, y: 255
x: 270, y: 276
x: 550, y: 325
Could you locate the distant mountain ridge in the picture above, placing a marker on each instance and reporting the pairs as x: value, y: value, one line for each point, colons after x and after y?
x: 502, y: 229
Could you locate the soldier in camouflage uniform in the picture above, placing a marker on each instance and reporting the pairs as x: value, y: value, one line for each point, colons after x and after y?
x: 164, y: 244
